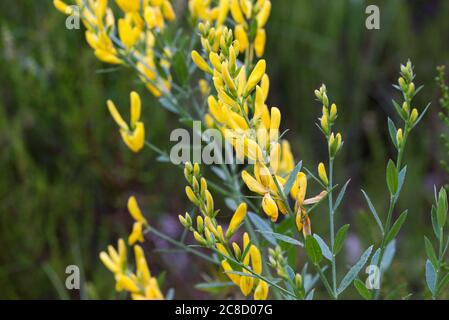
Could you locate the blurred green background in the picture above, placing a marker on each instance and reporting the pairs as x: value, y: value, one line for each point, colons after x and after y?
x: 65, y: 176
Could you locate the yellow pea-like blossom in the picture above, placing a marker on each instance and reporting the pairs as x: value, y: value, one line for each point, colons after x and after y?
x: 261, y: 292
x: 259, y: 42
x: 237, y: 220
x: 136, y: 234
x: 135, y: 211
x: 133, y: 135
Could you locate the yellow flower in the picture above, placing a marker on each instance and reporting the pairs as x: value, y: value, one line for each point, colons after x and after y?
x: 135, y: 212
x: 128, y: 5
x: 136, y: 234
x: 128, y: 32
x: 261, y: 292
x: 227, y: 269
x: 103, y: 47
x: 62, y: 7
x: 237, y: 220
x: 259, y: 42
x: 246, y: 284
x: 133, y: 135
x: 256, y: 76
x: 242, y: 37
x: 263, y: 15
x: 200, y: 62
x: 269, y: 207
x: 322, y: 174
x: 115, y: 260
x: 298, y: 192
x: 256, y: 259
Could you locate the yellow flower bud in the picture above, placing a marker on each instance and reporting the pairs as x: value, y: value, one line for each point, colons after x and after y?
x: 414, y: 115
x: 263, y: 15
x: 191, y: 195
x: 209, y: 203
x: 324, y: 123
x: 199, y: 238
x: 242, y: 37
x: 399, y: 137
x: 259, y: 42
x: 227, y: 78
x: 275, y: 157
x: 333, y: 112
x: 237, y: 220
x: 322, y: 174
x: 236, y: 12
x: 256, y: 76
x: 275, y: 123
x: 200, y: 62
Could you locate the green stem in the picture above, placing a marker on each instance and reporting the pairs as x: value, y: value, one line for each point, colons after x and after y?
x: 332, y: 225
x: 180, y: 245
x: 325, y: 282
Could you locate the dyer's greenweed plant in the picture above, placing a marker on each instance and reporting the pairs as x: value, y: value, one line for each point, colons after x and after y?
x: 258, y: 249
x: 437, y: 269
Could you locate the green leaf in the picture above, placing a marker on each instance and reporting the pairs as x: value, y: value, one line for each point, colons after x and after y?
x: 392, y: 177
x: 400, y: 112
x: 354, y: 271
x: 442, y: 208
x: 168, y: 104
x: 396, y: 227
x: 324, y: 247
x: 392, y: 130
x: 374, y: 212
x: 431, y: 277
x: 180, y: 67
x: 313, y: 250
x: 340, y: 238
x: 430, y: 252
x: 263, y: 226
x: 435, y: 223
x: 401, y: 179
x: 362, y: 290
x: 341, y: 195
x: 291, y: 179
x: 421, y: 115
x: 213, y: 286
x: 444, y: 281
x: 282, y: 237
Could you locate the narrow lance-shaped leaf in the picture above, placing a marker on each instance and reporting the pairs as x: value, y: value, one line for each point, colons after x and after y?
x: 431, y: 277
x: 324, y: 247
x: 341, y: 195
x: 340, y: 238
x: 354, y: 271
x: 374, y: 212
x: 442, y: 208
x: 396, y: 227
x: 361, y: 289
x: 392, y: 177
x: 431, y: 255
x: 291, y: 179
x: 392, y: 130
x: 313, y: 250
